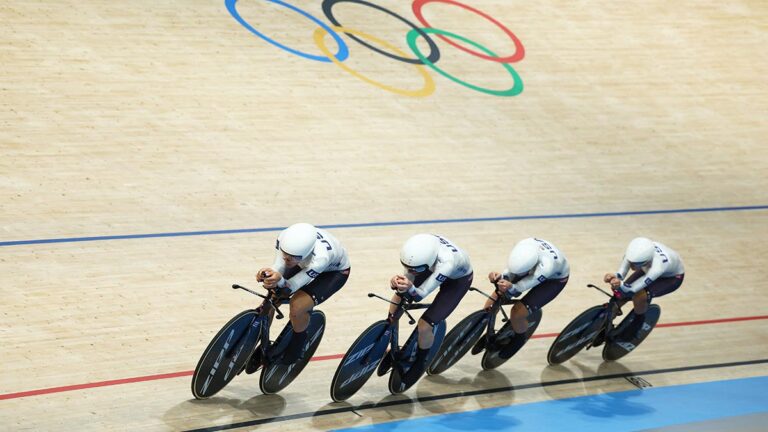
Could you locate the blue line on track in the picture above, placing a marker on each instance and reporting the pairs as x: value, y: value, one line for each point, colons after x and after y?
x: 616, y: 412
x: 382, y: 224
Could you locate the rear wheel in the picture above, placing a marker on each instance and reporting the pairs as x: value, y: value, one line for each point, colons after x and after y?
x: 623, y: 345
x: 276, y: 376
x: 491, y: 358
x: 408, y: 355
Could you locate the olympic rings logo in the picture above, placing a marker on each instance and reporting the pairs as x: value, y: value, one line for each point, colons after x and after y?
x: 416, y: 57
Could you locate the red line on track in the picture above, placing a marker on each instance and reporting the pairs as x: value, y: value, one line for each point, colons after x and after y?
x: 94, y: 384
x: 327, y: 357
x: 316, y: 358
x: 714, y: 321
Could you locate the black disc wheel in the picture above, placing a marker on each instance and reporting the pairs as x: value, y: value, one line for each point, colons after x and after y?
x: 408, y: 355
x: 226, y: 354
x: 622, y: 344
x: 361, y: 360
x: 491, y: 358
x: 459, y: 341
x: 576, y: 335
x: 276, y: 376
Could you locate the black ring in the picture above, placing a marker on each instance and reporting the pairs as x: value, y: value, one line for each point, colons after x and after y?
x: 434, y: 52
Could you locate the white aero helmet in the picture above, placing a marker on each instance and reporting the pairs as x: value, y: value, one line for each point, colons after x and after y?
x: 524, y: 257
x: 419, y: 252
x: 298, y: 240
x: 640, y: 250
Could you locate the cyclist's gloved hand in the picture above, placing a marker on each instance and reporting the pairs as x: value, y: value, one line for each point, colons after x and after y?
x: 494, y: 277
x: 502, y: 285
x: 393, y: 282
x: 268, y: 277
x: 400, y: 283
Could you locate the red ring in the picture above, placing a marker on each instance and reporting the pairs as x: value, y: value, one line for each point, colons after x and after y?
x: 519, y: 49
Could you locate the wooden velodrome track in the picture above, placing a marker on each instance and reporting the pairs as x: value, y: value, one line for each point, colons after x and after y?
x: 171, y: 119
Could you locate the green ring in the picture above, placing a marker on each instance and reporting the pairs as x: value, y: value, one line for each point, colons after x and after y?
x: 514, y: 91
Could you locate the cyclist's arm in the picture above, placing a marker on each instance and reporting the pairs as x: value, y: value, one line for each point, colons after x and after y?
x: 279, y: 264
x: 653, y: 273
x: 429, y: 285
x: 623, y: 269
x: 530, y: 281
x: 301, y: 279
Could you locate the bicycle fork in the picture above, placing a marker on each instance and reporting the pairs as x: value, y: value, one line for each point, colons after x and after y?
x: 605, y: 327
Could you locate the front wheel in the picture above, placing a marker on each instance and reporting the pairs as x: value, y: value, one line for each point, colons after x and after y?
x: 577, y: 334
x: 459, y: 341
x: 361, y: 359
x: 226, y: 354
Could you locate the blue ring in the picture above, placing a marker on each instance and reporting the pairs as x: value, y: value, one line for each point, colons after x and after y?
x: 343, y: 50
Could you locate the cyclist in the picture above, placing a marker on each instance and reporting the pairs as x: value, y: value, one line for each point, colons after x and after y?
x: 657, y: 271
x: 310, y: 266
x: 430, y: 261
x: 535, y: 266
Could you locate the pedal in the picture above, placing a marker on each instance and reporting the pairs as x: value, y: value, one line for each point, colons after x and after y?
x: 598, y: 340
x: 274, y: 350
x: 254, y: 363
x: 496, y: 342
x: 617, y: 311
x: 385, y: 365
x: 479, y: 345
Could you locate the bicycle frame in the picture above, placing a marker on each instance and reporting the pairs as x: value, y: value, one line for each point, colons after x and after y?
x: 262, y: 318
x: 495, y: 308
x: 403, y: 307
x: 614, y: 310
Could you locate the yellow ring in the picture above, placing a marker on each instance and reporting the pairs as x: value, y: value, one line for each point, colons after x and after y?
x: 429, y: 83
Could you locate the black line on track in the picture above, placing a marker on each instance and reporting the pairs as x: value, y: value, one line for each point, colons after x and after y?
x: 473, y: 393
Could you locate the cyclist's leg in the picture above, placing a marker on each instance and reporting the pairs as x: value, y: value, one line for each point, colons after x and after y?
x: 536, y: 298
x: 326, y: 285
x: 642, y: 299
x: 450, y: 294
x: 664, y: 286
x: 447, y: 299
x: 316, y: 292
x: 302, y: 303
